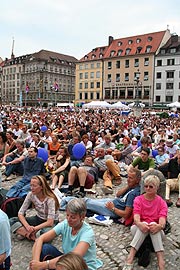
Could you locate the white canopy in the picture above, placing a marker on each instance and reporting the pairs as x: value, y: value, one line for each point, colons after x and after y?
x: 174, y: 104
x: 133, y: 103
x: 96, y: 104
x: 119, y: 105
x: 65, y: 104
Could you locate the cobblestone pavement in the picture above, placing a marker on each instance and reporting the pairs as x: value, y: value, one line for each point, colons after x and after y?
x: 112, y: 242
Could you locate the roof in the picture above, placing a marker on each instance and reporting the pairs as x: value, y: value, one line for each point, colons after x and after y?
x: 53, y: 56
x: 140, y: 44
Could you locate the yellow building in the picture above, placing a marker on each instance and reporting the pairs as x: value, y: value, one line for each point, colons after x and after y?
x: 124, y: 69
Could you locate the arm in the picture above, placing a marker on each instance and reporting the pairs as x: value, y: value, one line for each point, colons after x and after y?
x: 2, y: 257
x: 63, y: 167
x: 157, y: 227
x: 144, y: 227
x: 122, y: 213
x: 121, y: 191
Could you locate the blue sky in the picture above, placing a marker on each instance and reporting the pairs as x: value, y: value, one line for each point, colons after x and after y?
x: 75, y: 27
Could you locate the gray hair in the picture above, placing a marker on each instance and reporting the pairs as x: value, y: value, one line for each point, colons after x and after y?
x: 22, y: 142
x: 76, y: 206
x: 152, y: 179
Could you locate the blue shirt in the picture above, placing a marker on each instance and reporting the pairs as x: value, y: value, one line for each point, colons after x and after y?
x: 69, y: 241
x: 5, y: 236
x: 127, y: 199
x: 33, y: 167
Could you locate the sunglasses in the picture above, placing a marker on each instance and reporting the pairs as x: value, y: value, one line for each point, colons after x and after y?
x: 149, y: 186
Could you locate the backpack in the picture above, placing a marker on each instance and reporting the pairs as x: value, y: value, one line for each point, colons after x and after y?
x: 2, y: 195
x: 11, y: 206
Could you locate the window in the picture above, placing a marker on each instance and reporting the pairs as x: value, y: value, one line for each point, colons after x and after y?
x: 100, y: 55
x: 163, y: 51
x: 169, y: 86
x: 126, y: 77
x: 92, y: 75
x: 119, y: 43
x: 170, y: 74
x: 86, y: 85
x: 86, y: 75
x: 126, y: 63
x: 170, y: 62
x: 138, y: 50
x: 169, y: 98
x: 136, y: 62
x: 85, y: 95
x: 86, y: 66
x: 128, y: 51
x: 118, y: 64
x: 138, y: 40
x: 158, y: 98
x: 93, y: 56
x: 159, y: 63
x: 92, y: 65
x: 130, y: 41
x: 158, y: 75
x: 112, y: 53
x: 109, y: 65
x: 148, y: 49
x: 173, y: 50
x: 91, y: 95
x: 80, y: 76
x: 97, y: 74
x: 120, y: 52
x: 146, y: 76
x: 97, y: 95
x: 146, y: 61
x: 179, y: 85
x: 92, y: 84
x: 118, y: 77
x: 109, y: 78
x: 80, y: 95
x: 98, y: 65
x: 149, y: 39
x: 80, y: 86
x: 97, y: 84
x: 85, y: 57
x: 158, y: 86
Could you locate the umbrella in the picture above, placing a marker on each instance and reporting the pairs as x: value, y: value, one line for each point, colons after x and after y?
x: 133, y: 103
x: 174, y: 104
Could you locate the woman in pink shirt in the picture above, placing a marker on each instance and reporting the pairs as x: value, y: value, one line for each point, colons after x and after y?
x: 150, y: 213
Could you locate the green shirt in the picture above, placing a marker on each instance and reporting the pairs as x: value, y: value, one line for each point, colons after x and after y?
x: 143, y: 165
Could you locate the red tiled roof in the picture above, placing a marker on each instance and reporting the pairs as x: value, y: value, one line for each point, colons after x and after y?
x: 48, y: 55
x: 153, y: 40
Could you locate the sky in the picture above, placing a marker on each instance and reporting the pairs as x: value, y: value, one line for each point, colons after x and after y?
x: 75, y: 27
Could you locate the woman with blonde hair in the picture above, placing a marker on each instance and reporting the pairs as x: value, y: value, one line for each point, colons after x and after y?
x: 46, y: 205
x: 71, y: 261
x: 150, y: 213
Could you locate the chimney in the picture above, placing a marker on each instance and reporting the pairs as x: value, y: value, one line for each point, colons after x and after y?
x: 174, y: 39
x: 110, y: 40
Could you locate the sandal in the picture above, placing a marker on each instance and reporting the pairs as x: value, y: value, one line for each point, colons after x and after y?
x: 128, y: 266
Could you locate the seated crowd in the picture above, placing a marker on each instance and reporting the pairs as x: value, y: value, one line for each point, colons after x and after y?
x: 118, y: 151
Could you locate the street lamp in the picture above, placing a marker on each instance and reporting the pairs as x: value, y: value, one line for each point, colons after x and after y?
x: 137, y: 107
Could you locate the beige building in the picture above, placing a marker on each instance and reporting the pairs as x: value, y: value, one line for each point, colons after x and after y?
x: 43, y: 78
x: 127, y: 71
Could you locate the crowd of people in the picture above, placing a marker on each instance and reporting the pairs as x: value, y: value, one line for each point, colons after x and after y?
x: 118, y: 148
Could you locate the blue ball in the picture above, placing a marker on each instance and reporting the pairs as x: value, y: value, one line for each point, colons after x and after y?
x: 43, y: 153
x: 79, y: 150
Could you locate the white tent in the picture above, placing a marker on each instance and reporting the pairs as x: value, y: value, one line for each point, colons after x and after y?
x: 133, y: 103
x: 96, y: 104
x: 174, y: 104
x: 65, y: 104
x: 119, y: 105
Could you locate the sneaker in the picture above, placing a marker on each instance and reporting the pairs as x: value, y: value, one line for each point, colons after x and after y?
x: 107, y: 190
x: 169, y: 203
x: 79, y: 194
x: 11, y: 177
x: 69, y: 193
x: 3, y: 169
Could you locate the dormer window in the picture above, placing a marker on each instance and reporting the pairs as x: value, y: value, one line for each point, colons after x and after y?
x: 128, y: 51
x: 138, y: 40
x: 163, y: 51
x: 119, y: 43
x: 138, y: 50
x: 173, y: 50
x: 120, y: 52
x: 100, y: 55
x: 85, y: 57
x: 149, y: 38
x: 93, y: 56
x: 148, y: 49
x: 112, y: 53
x: 130, y: 41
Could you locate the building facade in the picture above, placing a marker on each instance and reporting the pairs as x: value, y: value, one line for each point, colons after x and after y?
x: 39, y: 79
x: 167, y: 72
x: 127, y: 69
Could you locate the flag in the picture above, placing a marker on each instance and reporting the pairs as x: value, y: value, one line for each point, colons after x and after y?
x: 27, y: 87
x: 56, y: 86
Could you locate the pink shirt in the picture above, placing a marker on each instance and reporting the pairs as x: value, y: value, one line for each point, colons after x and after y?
x: 150, y: 211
